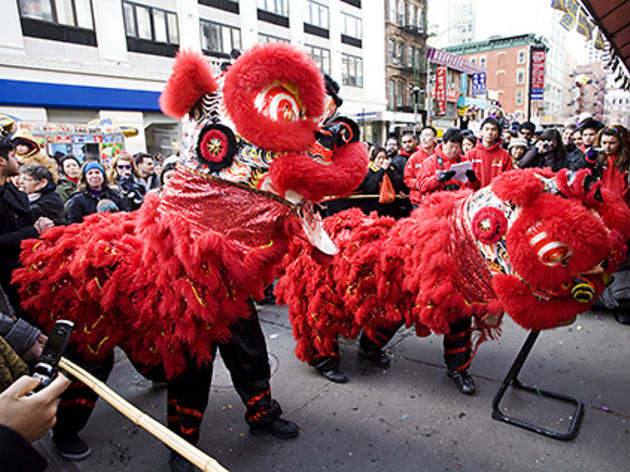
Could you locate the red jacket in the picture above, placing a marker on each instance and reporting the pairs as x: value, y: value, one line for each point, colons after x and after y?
x: 612, y: 178
x: 413, y: 166
x: 489, y: 162
x: 427, y: 176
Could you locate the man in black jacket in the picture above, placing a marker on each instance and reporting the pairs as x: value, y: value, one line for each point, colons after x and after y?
x: 16, y: 221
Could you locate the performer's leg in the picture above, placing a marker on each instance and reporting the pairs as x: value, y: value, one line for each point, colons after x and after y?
x: 187, y: 398
x: 372, y: 349
x: 457, y: 355
x: 328, y: 366
x: 245, y: 356
x: 75, y: 407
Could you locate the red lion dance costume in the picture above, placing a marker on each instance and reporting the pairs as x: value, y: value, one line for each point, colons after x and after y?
x: 167, y: 282
x: 535, y: 245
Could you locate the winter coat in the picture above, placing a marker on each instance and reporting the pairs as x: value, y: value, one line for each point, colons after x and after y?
x: 613, y: 179
x: 66, y: 188
x: 371, y: 185
x: 36, y: 155
x: 576, y: 160
x: 132, y: 192
x: 48, y: 204
x: 489, y: 162
x: 16, y: 224
x: 533, y: 158
x: 84, y: 203
x: 428, y: 173
x: 17, y: 453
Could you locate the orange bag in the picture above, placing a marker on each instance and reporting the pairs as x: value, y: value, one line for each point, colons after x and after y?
x: 386, y: 193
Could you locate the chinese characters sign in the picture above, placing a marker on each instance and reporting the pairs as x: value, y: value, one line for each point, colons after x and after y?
x: 440, y: 90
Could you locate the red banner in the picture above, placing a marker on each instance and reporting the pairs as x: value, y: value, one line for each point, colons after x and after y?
x: 538, y: 69
x: 440, y: 90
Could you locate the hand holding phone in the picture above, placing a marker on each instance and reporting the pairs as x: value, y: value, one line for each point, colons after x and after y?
x: 46, y: 369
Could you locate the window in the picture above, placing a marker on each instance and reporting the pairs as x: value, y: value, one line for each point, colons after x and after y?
x: 351, y: 26
x: 501, y: 79
x: 219, y: 39
x: 320, y: 56
x: 411, y: 56
x: 400, y: 19
x: 267, y: 38
x: 482, y: 61
x: 317, y: 14
x: 352, y: 70
x: 392, y: 11
x: 501, y: 58
x: 396, y: 51
x: 473, y: 61
x: 519, y: 97
x: 279, y: 7
x: 520, y: 59
x: 520, y: 76
x: 396, y: 93
x: 76, y: 13
x: 411, y: 14
x: 150, y: 24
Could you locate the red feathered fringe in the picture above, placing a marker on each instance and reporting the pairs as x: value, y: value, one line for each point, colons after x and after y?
x: 259, y: 67
x: 190, y: 80
x: 143, y: 281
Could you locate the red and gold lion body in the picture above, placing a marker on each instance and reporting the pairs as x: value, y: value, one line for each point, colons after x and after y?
x: 535, y: 245
x: 166, y: 281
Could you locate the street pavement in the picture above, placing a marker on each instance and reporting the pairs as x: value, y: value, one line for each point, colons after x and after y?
x: 408, y: 417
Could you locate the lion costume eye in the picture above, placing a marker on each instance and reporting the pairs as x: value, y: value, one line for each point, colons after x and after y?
x: 277, y: 102
x: 550, y: 253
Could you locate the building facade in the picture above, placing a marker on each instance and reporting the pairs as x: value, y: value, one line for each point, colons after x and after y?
x: 508, y: 74
x: 78, y: 60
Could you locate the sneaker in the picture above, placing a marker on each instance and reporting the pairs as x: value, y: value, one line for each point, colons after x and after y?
x: 463, y: 381
x: 378, y: 358
x: 279, y: 428
x: 72, y: 448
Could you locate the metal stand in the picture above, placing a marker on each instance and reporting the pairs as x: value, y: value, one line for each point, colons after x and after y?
x: 511, y: 379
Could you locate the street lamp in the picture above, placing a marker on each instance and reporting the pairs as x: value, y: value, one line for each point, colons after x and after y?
x: 415, y: 94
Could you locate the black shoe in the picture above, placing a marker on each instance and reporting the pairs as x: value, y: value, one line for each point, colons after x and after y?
x: 334, y: 375
x: 72, y: 448
x: 623, y: 318
x: 378, y: 358
x: 463, y: 380
x: 279, y: 428
x: 178, y: 463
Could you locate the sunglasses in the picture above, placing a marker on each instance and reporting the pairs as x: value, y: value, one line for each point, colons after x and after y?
x: 123, y: 166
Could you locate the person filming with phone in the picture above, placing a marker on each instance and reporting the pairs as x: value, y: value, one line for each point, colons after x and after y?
x: 548, y: 151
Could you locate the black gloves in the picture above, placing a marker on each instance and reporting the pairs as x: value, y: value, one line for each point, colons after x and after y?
x: 470, y: 174
x: 445, y: 175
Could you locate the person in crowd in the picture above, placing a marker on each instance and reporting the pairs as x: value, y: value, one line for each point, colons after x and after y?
x: 16, y: 221
x: 168, y: 171
x: 548, y: 151
x: 25, y: 419
x: 488, y: 158
x: 496, y: 112
x: 506, y: 138
x: 527, y: 131
x: 93, y: 188
x: 392, y: 146
x: 574, y: 155
x: 577, y: 138
x: 28, y: 151
x: 379, y: 167
x: 517, y: 149
x: 408, y: 147
x: 469, y: 142
x: 444, y: 170
x: 37, y: 182
x: 428, y: 143
x: 567, y: 135
x: 145, y: 165
x: 589, y: 129
x: 125, y: 175
x: 614, y: 142
x: 70, y: 172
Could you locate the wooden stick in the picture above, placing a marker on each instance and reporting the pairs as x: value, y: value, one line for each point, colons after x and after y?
x: 161, y: 432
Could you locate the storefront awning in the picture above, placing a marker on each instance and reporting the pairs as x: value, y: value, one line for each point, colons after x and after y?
x: 613, y: 18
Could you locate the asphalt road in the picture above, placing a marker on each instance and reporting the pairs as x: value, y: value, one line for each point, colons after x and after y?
x: 408, y: 417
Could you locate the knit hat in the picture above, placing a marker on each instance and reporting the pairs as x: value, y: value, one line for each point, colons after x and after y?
x: 514, y: 142
x: 93, y: 165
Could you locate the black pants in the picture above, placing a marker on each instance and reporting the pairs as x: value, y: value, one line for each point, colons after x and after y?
x: 456, y: 346
x: 245, y: 356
